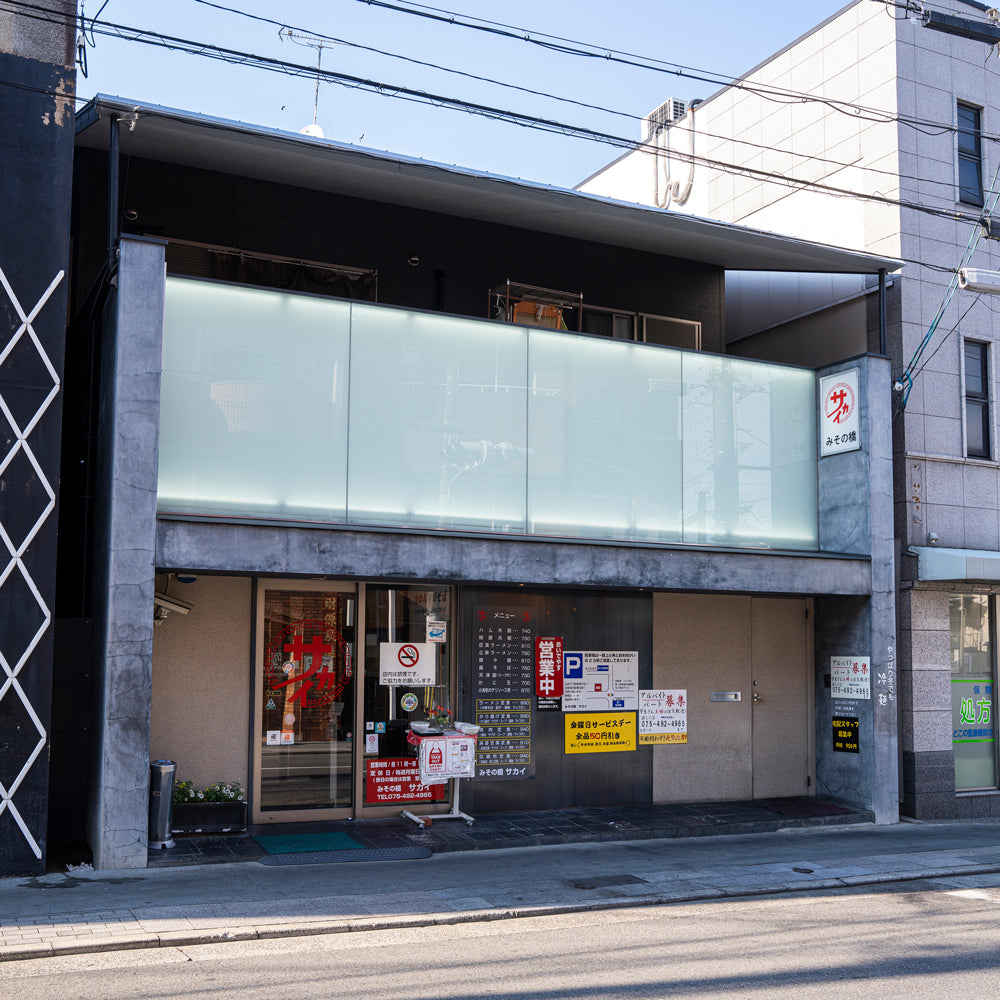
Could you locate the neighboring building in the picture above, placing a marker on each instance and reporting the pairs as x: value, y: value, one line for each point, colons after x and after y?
x: 322, y: 456
x: 907, y: 116
x: 36, y: 157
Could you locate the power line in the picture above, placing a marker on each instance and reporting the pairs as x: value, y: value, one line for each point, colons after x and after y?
x: 209, y: 50
x: 676, y: 127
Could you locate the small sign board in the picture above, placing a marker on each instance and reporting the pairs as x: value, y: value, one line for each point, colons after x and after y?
x: 845, y: 734
x: 839, y: 420
x: 437, y: 630
x: 394, y: 779
x: 595, y: 681
x: 600, y: 732
x: 663, y: 716
x: 407, y: 664
x: 850, y: 677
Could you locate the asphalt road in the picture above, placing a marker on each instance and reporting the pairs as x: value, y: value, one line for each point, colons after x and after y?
x: 900, y: 941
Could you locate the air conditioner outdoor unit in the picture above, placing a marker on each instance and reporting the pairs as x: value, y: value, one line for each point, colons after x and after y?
x: 670, y: 111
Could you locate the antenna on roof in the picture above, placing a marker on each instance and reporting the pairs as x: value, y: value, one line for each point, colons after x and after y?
x: 313, y: 42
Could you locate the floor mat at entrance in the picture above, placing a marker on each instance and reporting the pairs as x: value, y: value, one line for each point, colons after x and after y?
x: 334, y: 857
x: 298, y: 843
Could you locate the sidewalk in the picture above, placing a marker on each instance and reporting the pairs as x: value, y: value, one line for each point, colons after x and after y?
x: 80, y: 912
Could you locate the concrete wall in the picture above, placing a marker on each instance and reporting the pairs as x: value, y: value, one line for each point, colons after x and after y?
x: 37, y: 82
x: 202, y: 678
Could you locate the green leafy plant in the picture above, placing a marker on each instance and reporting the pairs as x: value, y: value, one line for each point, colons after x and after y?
x: 221, y: 791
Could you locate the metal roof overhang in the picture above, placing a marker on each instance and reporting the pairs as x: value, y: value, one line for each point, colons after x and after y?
x: 194, y: 140
x: 935, y: 563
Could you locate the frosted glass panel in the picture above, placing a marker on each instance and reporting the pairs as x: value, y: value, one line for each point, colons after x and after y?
x: 604, y: 439
x: 437, y: 421
x: 297, y: 407
x: 253, y: 402
x: 749, y: 453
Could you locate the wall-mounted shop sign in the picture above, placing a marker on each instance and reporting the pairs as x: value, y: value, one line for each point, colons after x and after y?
x: 548, y: 673
x: 839, y: 421
x: 850, y: 677
x: 663, y: 716
x: 503, y: 650
x: 600, y: 732
x: 845, y: 734
x: 407, y: 664
x: 398, y: 780
x: 601, y: 681
x: 504, y: 746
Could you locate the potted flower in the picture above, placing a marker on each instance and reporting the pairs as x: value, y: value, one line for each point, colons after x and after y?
x: 219, y: 808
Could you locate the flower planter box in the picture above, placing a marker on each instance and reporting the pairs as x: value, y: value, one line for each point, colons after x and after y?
x: 209, y: 817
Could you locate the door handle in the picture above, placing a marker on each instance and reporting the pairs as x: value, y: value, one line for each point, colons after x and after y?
x: 756, y: 698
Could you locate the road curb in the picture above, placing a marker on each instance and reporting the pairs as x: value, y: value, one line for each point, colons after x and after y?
x: 312, y: 928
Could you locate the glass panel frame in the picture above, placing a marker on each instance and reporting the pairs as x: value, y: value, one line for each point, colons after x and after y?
x: 422, y: 421
x: 340, y: 706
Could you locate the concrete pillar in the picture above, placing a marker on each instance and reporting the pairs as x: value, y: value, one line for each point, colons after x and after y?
x: 127, y: 476
x: 856, y: 515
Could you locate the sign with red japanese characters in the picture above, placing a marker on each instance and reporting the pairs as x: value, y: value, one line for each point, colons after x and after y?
x: 548, y: 672
x: 850, y: 677
x: 310, y: 663
x: 839, y: 421
x: 398, y: 780
x: 663, y: 716
x: 407, y: 664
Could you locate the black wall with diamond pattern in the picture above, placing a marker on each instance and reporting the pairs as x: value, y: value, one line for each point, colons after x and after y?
x: 36, y: 112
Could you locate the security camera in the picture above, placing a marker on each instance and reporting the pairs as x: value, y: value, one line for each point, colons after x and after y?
x: 171, y: 604
x: 975, y: 279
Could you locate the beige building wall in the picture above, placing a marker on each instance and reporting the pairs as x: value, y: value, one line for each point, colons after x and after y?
x: 201, y: 681
x: 707, y: 643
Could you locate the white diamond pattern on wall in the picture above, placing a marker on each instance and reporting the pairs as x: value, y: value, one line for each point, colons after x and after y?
x: 11, y: 663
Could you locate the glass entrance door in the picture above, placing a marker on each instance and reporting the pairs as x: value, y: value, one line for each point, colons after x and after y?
x: 407, y: 672
x: 305, y: 733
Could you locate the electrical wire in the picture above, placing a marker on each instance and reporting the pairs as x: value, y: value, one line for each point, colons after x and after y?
x: 209, y: 50
x: 676, y: 127
x: 912, y: 369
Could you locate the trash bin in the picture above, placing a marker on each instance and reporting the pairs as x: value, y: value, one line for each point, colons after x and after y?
x: 161, y: 802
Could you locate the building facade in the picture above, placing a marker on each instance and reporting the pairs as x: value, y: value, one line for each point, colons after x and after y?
x: 879, y: 133
x: 371, y: 435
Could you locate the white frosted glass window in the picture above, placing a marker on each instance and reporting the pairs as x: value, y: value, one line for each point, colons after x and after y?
x: 604, y: 438
x: 253, y: 404
x: 437, y: 421
x: 749, y: 453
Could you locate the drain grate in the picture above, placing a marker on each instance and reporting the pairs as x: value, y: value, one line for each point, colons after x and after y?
x: 333, y: 857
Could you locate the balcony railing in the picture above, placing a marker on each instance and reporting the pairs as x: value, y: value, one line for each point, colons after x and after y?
x: 282, y: 406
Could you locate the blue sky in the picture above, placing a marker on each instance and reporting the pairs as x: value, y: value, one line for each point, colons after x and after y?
x: 720, y: 36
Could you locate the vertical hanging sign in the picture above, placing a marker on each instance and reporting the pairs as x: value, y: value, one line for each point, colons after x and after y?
x: 548, y: 673
x: 839, y: 423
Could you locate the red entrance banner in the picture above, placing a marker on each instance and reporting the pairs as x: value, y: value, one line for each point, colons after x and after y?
x: 394, y: 779
x: 548, y: 666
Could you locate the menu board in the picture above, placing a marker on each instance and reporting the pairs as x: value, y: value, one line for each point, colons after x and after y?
x: 504, y: 676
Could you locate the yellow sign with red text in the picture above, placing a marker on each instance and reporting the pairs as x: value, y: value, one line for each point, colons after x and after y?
x: 600, y: 732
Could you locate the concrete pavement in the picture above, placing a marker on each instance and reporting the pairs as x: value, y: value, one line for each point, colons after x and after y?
x: 78, y: 912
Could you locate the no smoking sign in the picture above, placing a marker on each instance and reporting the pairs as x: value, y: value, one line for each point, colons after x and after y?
x: 407, y: 664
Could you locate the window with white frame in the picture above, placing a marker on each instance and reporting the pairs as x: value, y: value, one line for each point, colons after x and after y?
x: 977, y: 400
x: 969, y: 120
